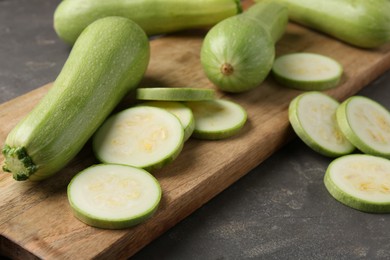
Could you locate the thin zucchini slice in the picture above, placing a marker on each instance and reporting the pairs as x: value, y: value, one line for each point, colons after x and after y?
x: 113, y: 196
x: 180, y: 110
x: 307, y: 71
x: 313, y: 118
x: 175, y: 94
x: 143, y: 136
x: 217, y: 119
x: 366, y: 124
x: 360, y: 181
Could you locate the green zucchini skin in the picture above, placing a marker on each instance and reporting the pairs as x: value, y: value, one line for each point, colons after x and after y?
x: 237, y: 54
x: 107, y: 61
x: 362, y: 23
x: 154, y: 16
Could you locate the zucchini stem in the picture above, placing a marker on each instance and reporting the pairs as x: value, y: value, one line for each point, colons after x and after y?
x: 19, y: 162
x: 239, y: 6
x: 227, y: 69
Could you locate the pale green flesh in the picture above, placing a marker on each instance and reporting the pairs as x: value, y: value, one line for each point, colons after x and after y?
x: 154, y: 16
x: 107, y: 61
x: 217, y: 119
x: 143, y: 136
x: 175, y: 94
x: 313, y: 118
x: 361, y: 182
x: 180, y: 110
x: 362, y: 23
x: 113, y: 196
x: 307, y: 71
x: 366, y: 124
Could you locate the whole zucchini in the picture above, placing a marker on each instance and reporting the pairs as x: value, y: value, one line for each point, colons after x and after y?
x: 237, y: 54
x: 362, y: 23
x: 107, y: 61
x: 154, y: 16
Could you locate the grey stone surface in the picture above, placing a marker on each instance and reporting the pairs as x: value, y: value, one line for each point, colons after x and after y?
x: 280, y: 210
x: 31, y: 54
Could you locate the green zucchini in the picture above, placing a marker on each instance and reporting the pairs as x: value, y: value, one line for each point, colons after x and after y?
x: 362, y: 23
x: 237, y: 54
x: 154, y: 16
x: 107, y: 61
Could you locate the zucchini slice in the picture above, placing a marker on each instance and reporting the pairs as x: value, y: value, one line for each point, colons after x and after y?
x: 313, y: 118
x: 143, y: 136
x: 307, y: 71
x: 366, y: 124
x: 180, y: 110
x: 217, y: 119
x: 360, y: 181
x: 113, y: 196
x: 175, y: 94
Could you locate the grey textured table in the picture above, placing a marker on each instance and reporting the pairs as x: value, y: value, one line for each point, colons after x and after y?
x: 280, y: 210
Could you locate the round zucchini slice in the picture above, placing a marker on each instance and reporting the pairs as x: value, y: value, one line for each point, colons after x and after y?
x: 366, y: 124
x: 217, y: 119
x: 361, y: 182
x: 113, y: 196
x: 307, y: 71
x: 142, y: 136
x: 313, y: 118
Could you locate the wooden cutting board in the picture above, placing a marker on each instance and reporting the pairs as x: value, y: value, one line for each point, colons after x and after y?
x: 35, y: 218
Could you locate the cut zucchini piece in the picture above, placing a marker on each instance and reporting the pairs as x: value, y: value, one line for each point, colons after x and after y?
x: 313, y: 118
x: 307, y: 71
x: 366, y: 124
x: 180, y: 110
x: 143, y: 136
x: 360, y: 181
x: 113, y: 196
x: 217, y: 119
x: 175, y: 94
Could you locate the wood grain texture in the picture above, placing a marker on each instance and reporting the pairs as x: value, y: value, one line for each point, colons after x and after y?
x: 35, y: 218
